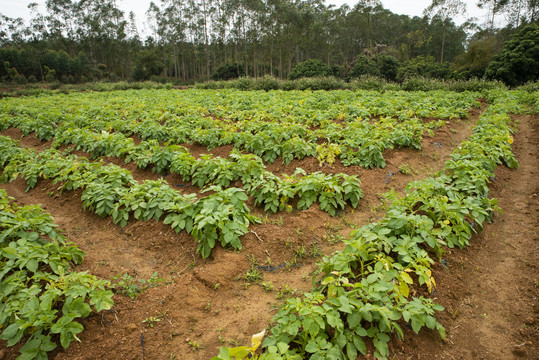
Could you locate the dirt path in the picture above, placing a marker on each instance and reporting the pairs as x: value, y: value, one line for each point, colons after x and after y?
x: 490, y: 290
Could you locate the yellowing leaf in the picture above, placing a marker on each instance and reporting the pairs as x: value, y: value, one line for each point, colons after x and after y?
x: 256, y: 340
x: 404, y: 289
x: 406, y: 278
x: 240, y: 352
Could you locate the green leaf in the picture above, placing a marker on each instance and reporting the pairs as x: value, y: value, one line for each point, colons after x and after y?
x: 10, y: 332
x: 360, y: 345
x: 77, y: 308
x: 32, y: 265
x: 351, y: 350
x: 312, y: 346
x: 417, y: 324
x: 283, y: 348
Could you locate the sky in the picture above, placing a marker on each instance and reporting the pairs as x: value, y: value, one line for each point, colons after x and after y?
x: 18, y: 8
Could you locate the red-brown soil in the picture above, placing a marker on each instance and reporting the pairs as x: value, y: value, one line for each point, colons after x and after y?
x: 489, y: 290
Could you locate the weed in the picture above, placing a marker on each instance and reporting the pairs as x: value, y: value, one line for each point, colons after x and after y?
x: 288, y: 243
x: 315, y: 251
x: 407, y: 169
x: 195, y: 346
x: 333, y: 238
x: 285, y: 292
x: 267, y: 220
x: 151, y: 321
x: 126, y: 284
x: 268, y: 286
x: 221, y: 337
x: 253, y: 275
x: 300, y: 252
x: 333, y: 228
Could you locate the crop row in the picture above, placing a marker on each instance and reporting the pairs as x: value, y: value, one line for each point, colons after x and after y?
x: 333, y: 192
x: 306, y: 108
x: 109, y: 190
x: 223, y: 216
x: 40, y: 295
x: 360, y: 142
x: 271, y: 125
x: 364, y: 290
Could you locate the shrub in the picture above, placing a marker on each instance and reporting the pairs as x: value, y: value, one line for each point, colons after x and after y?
x: 228, y: 72
x: 426, y: 67
x: 309, y: 68
x: 388, y: 66
x: 369, y: 82
x: 364, y: 66
x: 518, y: 62
x: 267, y: 83
x: 319, y: 83
x: 420, y: 83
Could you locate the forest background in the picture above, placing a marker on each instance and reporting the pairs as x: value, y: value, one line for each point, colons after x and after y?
x: 193, y: 41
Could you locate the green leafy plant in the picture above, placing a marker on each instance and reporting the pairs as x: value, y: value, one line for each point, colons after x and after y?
x: 128, y: 285
x: 41, y: 295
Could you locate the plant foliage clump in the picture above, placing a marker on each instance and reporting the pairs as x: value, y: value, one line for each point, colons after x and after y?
x: 309, y: 68
x: 42, y: 298
x: 518, y: 62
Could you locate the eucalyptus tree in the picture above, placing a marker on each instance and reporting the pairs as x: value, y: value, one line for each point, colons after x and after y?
x: 517, y: 12
x: 12, y: 30
x: 445, y: 10
x: 494, y: 7
x: 62, y: 17
x: 101, y: 28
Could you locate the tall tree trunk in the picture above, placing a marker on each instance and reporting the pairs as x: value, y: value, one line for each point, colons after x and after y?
x: 206, y: 40
x: 281, y: 61
x: 165, y: 60
x: 443, y: 44
x: 175, y: 60
x: 271, y: 57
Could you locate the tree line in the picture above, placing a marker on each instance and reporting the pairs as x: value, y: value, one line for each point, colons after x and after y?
x: 197, y: 40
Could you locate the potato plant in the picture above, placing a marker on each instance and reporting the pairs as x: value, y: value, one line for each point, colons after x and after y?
x: 41, y: 294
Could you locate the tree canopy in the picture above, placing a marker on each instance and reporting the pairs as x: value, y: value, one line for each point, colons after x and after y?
x: 195, y: 40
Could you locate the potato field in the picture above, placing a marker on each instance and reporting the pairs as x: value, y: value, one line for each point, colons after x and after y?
x: 177, y: 224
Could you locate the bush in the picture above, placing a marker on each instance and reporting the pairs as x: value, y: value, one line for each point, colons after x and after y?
x: 419, y: 83
x: 532, y: 86
x: 474, y: 84
x: 21, y: 79
x: 50, y: 77
x: 309, y: 68
x: 388, y: 66
x: 368, y: 82
x: 426, y: 67
x: 267, y: 83
x: 228, y: 72
x: 245, y: 83
x: 518, y: 62
x: 364, y: 66
x: 475, y: 60
x: 320, y: 83
x: 147, y: 64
